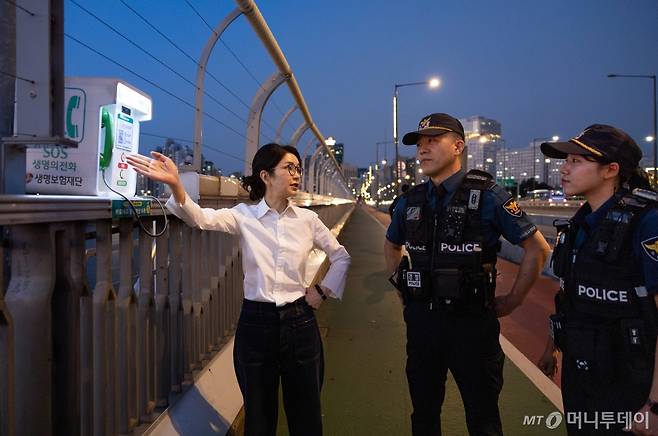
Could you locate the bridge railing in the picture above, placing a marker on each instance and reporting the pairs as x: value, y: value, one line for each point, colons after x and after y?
x: 101, y: 325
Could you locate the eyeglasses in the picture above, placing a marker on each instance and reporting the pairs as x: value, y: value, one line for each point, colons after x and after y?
x: 293, y: 169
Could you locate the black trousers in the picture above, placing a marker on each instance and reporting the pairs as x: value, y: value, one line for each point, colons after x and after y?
x: 279, y: 344
x: 468, y: 346
x: 586, y: 395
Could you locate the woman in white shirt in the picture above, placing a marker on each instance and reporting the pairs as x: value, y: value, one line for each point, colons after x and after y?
x: 277, y: 337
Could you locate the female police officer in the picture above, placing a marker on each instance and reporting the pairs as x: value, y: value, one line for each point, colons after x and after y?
x: 277, y: 335
x: 606, y: 257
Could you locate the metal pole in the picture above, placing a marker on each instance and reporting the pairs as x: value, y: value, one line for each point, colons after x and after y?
x: 256, y: 112
x: 376, y: 154
x: 57, y: 68
x: 534, y: 163
x: 200, y: 83
x: 39, y: 88
x: 376, y: 177
x: 306, y: 176
x: 303, y: 127
x: 395, y: 132
x: 655, y: 140
x: 277, y: 136
x: 7, y: 83
x: 312, y: 179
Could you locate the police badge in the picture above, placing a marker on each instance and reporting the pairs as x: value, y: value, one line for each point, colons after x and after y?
x: 651, y: 248
x: 512, y: 208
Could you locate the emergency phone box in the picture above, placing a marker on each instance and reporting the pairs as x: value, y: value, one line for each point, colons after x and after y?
x: 103, y: 115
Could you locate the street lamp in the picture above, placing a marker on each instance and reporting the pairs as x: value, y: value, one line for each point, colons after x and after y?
x: 653, y: 138
x: 432, y: 83
x: 553, y: 138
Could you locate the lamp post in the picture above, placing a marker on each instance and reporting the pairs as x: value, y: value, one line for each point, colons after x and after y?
x: 534, y: 156
x: 655, y: 145
x: 432, y: 83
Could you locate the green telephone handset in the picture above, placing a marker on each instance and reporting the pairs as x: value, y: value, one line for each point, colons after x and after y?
x: 72, y: 129
x: 108, y: 140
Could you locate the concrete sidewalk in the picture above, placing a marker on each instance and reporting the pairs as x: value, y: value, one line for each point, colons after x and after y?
x: 365, y: 390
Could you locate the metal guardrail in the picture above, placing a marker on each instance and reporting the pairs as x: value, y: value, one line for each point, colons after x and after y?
x: 252, y: 13
x: 106, y: 355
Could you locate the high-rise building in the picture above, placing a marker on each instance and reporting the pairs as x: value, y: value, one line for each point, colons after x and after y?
x: 339, y: 152
x: 520, y: 166
x: 483, y: 139
x: 518, y: 163
x: 481, y: 125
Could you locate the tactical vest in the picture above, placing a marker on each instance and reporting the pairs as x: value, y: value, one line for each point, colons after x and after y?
x: 601, y: 278
x: 605, y: 321
x: 446, y: 245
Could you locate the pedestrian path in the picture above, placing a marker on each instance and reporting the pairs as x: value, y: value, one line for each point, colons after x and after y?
x: 365, y: 390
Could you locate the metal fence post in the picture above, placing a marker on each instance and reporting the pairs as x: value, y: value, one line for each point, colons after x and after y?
x: 175, y: 305
x: 162, y: 319
x: 28, y: 301
x: 126, y: 308
x: 104, y: 364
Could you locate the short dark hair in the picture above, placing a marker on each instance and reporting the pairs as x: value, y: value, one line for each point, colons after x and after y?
x: 266, y: 158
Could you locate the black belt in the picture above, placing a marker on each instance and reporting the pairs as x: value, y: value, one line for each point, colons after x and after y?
x: 295, y: 309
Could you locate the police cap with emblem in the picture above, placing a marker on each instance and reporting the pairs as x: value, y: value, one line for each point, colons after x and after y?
x: 600, y: 141
x: 434, y: 125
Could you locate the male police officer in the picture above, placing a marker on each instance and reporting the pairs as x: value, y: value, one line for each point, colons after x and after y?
x: 450, y: 227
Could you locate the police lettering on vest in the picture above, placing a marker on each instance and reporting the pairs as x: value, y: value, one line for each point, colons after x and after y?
x: 468, y: 247
x: 410, y: 247
x: 602, y: 294
x: 601, y: 270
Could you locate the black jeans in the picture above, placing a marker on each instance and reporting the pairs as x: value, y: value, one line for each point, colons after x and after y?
x: 279, y: 343
x: 468, y: 346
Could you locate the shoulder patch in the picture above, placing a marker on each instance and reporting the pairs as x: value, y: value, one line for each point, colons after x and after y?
x: 651, y: 248
x: 413, y: 213
x: 512, y: 207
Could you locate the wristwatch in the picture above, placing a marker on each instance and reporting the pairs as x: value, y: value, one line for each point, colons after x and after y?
x: 653, y: 406
x: 321, y: 292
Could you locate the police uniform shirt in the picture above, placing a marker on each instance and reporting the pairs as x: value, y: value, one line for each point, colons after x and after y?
x: 499, y: 212
x: 645, y: 238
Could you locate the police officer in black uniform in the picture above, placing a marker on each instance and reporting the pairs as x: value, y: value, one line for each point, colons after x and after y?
x: 450, y: 226
x: 606, y: 257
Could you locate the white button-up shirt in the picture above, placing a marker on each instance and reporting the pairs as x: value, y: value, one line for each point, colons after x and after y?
x: 275, y: 246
